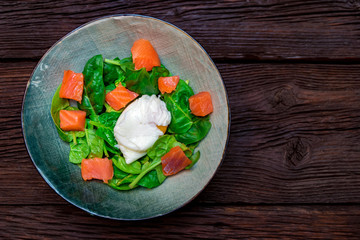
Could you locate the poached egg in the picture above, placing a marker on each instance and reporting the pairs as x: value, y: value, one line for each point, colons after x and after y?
x: 137, y: 130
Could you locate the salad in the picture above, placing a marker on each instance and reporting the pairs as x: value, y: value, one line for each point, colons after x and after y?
x: 130, y: 122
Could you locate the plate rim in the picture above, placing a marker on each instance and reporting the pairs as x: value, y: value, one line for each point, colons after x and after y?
x: 45, y: 177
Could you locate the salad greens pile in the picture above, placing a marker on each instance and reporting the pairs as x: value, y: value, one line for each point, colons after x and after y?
x: 102, y: 76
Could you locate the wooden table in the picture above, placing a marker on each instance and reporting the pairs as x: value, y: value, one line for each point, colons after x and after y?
x: 292, y: 167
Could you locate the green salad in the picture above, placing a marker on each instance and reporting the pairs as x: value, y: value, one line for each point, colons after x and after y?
x: 96, y: 139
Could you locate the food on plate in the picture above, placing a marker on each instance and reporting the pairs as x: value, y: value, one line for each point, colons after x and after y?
x: 135, y: 124
x: 72, y: 120
x: 174, y: 161
x: 162, y: 128
x: 144, y: 55
x: 72, y: 86
x: 120, y: 97
x: 94, y: 87
x: 168, y: 84
x: 97, y: 168
x: 201, y: 104
x: 137, y: 127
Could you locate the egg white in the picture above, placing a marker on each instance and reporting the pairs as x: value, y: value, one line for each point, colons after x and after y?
x: 136, y: 129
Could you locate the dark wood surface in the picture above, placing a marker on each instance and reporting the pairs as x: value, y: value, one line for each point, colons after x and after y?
x: 292, y: 166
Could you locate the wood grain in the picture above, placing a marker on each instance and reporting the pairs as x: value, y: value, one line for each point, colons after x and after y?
x: 194, y: 222
x: 228, y: 30
x: 294, y: 137
x: 291, y: 171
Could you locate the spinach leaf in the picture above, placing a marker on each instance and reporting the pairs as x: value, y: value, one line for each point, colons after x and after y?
x: 127, y: 179
x: 113, y: 72
x: 78, y: 151
x: 150, y: 180
x: 58, y: 104
x: 141, y: 82
x: 94, y: 88
x: 191, y: 149
x: 125, y: 63
x: 196, y: 133
x: 112, y: 150
x: 178, y: 105
x: 160, y: 175
x: 71, y: 108
x: 194, y: 158
x: 120, y: 179
x: 152, y: 166
x: 138, y: 81
x: 105, y: 126
x: 144, y: 160
x: 163, y: 146
x: 109, y: 119
x: 108, y: 108
x: 110, y: 87
x: 118, y: 174
x: 87, y: 106
x: 114, y: 183
x: 107, y: 135
x: 147, y: 176
x: 145, y: 165
x: 95, y: 143
x: 155, y: 73
x: 133, y: 168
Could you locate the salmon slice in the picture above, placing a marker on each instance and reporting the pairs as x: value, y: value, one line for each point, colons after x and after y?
x: 72, y: 86
x: 144, y: 55
x: 97, y: 168
x: 120, y: 97
x: 174, y: 161
x: 72, y: 120
x: 201, y: 104
x: 168, y: 84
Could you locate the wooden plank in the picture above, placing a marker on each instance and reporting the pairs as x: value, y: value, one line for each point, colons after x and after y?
x: 195, y: 222
x: 240, y: 30
x: 294, y: 136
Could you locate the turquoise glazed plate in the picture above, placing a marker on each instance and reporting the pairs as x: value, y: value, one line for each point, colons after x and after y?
x: 113, y: 37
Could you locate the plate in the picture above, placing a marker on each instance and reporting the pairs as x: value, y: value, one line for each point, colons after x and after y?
x: 113, y: 37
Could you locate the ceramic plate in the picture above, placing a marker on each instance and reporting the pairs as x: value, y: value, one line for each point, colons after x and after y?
x: 113, y: 37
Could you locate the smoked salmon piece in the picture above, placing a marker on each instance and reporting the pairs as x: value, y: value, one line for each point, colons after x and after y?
x: 168, y: 84
x: 120, y: 97
x: 72, y: 120
x: 144, y: 55
x: 174, y: 161
x: 97, y: 168
x: 72, y: 86
x: 201, y: 104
